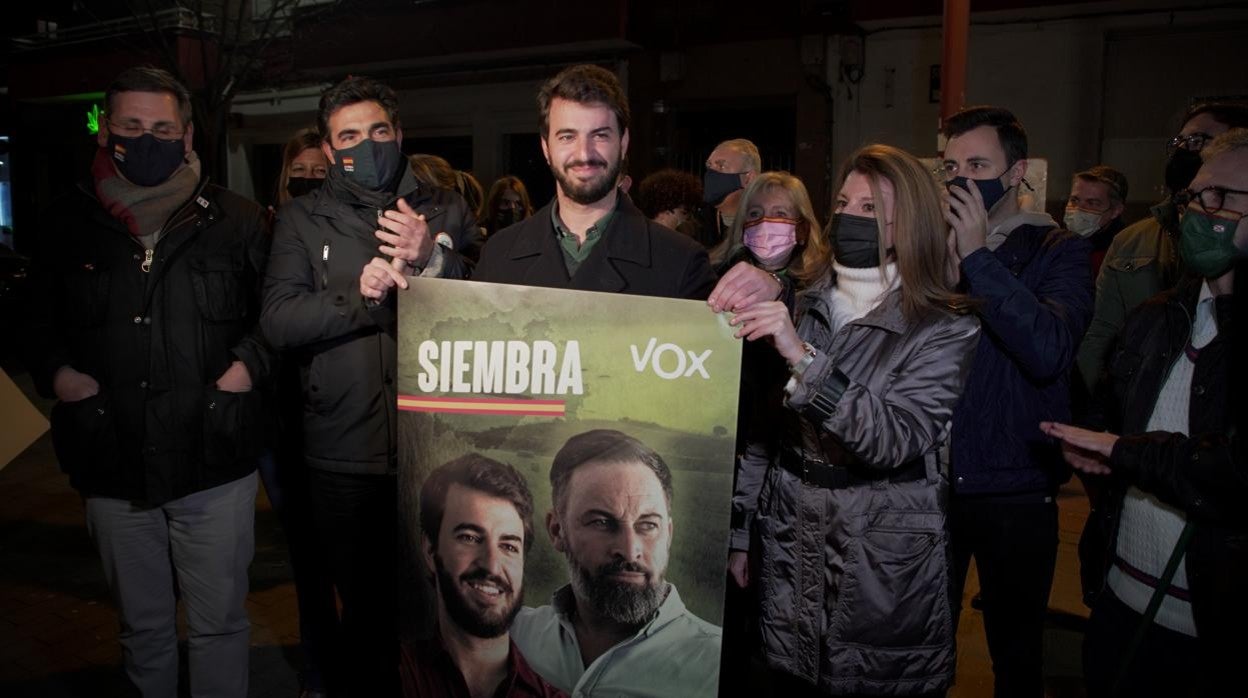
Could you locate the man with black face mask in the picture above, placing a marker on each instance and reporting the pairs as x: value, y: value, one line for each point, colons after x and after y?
x: 337, y: 255
x: 1143, y: 259
x: 730, y: 168
x: 1033, y: 291
x: 143, y: 324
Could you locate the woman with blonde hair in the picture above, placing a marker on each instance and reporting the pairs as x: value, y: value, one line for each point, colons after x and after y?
x: 774, y: 225
x: 304, y: 166
x: 842, y: 507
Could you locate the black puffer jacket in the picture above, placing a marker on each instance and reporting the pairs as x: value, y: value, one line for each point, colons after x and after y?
x: 345, y: 348
x: 156, y: 342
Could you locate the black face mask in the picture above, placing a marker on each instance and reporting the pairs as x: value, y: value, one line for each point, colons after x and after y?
x: 855, y: 241
x: 298, y: 186
x: 716, y: 186
x: 506, y: 217
x: 991, y: 190
x: 1181, y: 169
x: 146, y: 160
x: 372, y: 165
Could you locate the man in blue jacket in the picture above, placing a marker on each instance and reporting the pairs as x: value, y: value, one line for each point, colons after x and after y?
x: 1033, y: 287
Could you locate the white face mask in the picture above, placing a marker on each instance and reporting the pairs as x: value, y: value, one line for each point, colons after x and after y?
x: 1082, y: 223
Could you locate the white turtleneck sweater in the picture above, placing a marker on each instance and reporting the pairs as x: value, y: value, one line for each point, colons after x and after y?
x: 858, y: 291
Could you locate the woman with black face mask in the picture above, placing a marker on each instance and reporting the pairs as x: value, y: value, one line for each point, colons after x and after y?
x: 506, y: 204
x: 304, y: 167
x: 839, y: 510
x: 284, y: 473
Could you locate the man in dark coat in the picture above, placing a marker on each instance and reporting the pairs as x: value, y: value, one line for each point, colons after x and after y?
x: 1033, y: 293
x: 144, y: 326
x: 336, y: 256
x: 589, y: 237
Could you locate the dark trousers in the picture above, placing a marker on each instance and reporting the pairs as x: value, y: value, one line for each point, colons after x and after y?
x: 285, y: 477
x: 1166, y: 664
x: 356, y: 520
x: 1014, y: 544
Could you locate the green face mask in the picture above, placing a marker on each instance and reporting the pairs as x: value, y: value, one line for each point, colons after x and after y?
x: 1207, y: 243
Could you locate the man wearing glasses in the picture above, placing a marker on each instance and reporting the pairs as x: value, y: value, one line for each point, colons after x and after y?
x: 144, y: 326
x: 1143, y: 260
x: 1169, y: 620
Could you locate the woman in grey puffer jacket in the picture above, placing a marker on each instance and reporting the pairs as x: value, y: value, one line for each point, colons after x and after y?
x: 844, y: 506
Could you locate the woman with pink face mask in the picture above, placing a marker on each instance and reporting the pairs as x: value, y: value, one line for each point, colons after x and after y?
x: 772, y: 227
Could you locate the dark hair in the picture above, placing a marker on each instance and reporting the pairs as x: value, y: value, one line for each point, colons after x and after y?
x: 145, y: 78
x: 1114, y: 181
x: 667, y: 190
x: 495, y: 198
x: 584, y: 84
x: 603, y: 446
x: 353, y: 90
x: 1009, y: 131
x: 1231, y: 114
x: 479, y: 473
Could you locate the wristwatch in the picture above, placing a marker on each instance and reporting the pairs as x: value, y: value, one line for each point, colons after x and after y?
x: 807, y: 359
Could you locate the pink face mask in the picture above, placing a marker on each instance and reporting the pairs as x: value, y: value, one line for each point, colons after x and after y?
x: 770, y: 239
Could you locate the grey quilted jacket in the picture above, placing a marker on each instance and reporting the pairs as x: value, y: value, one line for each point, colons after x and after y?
x: 853, y: 574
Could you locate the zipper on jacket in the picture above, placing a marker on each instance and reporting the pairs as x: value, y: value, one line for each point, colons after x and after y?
x: 146, y: 266
x: 325, y: 265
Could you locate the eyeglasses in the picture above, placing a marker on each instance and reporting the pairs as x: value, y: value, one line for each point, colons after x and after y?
x: 1192, y: 141
x: 133, y: 129
x: 1211, y: 199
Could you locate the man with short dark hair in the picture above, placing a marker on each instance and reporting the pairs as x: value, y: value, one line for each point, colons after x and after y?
x: 337, y: 256
x: 618, y: 627
x: 1033, y: 294
x: 145, y: 301
x: 1143, y: 260
x: 476, y: 520
x: 1094, y: 208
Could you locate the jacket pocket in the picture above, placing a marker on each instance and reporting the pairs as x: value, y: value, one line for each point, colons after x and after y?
x: 84, y: 437
x: 232, y: 425
x: 219, y: 287
x: 1128, y: 265
x: 893, y: 602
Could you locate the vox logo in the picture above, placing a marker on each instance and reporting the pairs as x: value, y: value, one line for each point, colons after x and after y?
x: 669, y: 361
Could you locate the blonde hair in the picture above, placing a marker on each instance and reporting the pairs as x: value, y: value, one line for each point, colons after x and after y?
x: 808, y: 230
x: 304, y: 139
x: 920, y: 235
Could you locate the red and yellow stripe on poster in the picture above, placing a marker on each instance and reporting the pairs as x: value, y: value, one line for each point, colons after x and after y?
x: 482, y: 405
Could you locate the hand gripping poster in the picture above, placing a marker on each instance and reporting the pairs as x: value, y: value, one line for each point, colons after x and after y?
x: 565, y: 480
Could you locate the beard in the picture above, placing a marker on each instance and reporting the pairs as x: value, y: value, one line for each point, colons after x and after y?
x: 476, y: 621
x: 618, y: 601
x: 595, y: 189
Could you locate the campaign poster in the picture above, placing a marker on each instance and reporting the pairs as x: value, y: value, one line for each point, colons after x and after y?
x: 520, y: 375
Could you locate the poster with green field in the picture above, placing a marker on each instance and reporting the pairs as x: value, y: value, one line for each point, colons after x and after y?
x: 615, y: 415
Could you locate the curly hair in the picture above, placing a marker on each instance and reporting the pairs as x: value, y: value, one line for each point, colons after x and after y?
x: 668, y: 190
